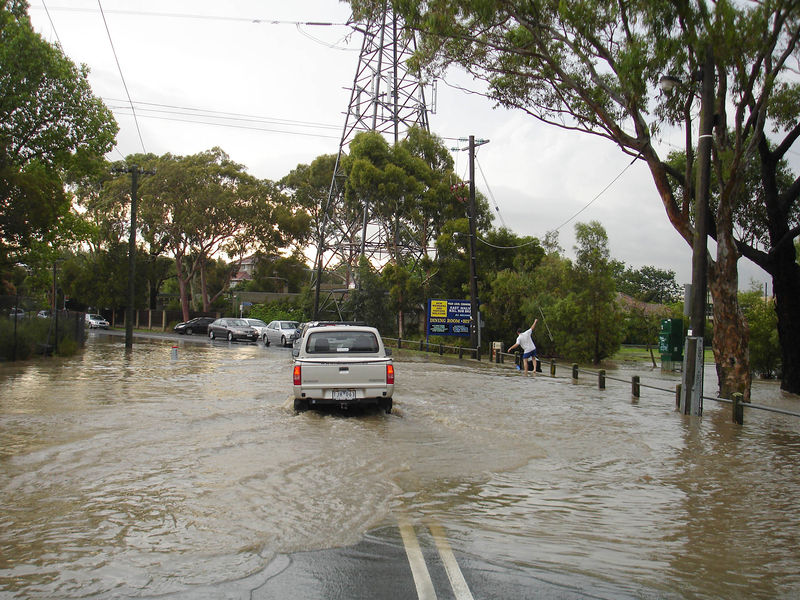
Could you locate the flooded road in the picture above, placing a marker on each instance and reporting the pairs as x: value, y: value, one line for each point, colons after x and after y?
x: 136, y: 475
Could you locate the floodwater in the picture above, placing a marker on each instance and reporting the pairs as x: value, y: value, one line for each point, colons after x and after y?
x: 138, y: 474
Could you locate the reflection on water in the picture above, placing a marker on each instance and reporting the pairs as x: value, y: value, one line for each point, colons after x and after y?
x: 135, y: 474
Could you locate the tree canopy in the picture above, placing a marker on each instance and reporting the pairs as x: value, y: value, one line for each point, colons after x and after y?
x: 51, y: 125
x: 594, y: 67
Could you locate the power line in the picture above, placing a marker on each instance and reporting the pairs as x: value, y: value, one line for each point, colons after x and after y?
x: 253, y: 20
x: 221, y: 115
x: 49, y: 18
x: 603, y: 191
x: 234, y: 126
x: 494, y: 201
x: 568, y: 220
x: 531, y: 243
x: 125, y: 85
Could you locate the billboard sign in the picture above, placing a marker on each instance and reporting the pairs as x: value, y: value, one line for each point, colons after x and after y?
x: 449, y: 317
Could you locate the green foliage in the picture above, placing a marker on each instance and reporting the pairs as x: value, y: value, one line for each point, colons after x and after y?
x: 368, y: 302
x: 279, y: 273
x: 196, y: 207
x: 648, y: 284
x: 280, y: 310
x: 50, y: 125
x: 641, y: 327
x: 594, y: 67
x: 765, y: 352
x: 99, y: 279
x: 32, y: 335
x: 504, y: 306
x: 586, y: 322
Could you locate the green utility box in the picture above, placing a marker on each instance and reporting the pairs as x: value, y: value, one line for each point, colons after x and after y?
x: 670, y: 343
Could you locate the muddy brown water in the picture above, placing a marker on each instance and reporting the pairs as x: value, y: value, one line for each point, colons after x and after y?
x: 136, y: 474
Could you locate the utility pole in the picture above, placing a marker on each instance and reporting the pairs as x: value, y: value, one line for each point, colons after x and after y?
x: 693, y: 372
x: 135, y: 172
x: 475, y: 330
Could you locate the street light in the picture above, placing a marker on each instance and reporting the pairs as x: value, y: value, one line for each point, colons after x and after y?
x: 693, y: 372
x: 668, y: 83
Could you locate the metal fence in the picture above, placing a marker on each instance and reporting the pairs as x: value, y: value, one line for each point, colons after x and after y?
x: 737, y: 402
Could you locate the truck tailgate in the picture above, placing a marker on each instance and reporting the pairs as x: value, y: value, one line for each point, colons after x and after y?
x: 363, y: 373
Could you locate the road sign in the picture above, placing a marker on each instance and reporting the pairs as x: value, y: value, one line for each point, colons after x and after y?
x: 449, y: 317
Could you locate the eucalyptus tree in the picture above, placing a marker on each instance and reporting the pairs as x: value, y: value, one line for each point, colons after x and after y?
x: 594, y: 67
x: 204, y: 206
x: 307, y: 187
x: 50, y: 123
x: 194, y: 206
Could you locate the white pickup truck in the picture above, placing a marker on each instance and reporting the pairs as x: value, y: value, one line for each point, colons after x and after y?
x: 342, y: 366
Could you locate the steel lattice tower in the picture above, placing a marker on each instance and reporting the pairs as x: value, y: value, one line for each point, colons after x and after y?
x: 386, y: 98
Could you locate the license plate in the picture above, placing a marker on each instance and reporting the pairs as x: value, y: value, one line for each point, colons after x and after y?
x: 343, y: 395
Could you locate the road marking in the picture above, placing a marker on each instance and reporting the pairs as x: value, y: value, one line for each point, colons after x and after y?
x: 457, y: 581
x: 422, y: 578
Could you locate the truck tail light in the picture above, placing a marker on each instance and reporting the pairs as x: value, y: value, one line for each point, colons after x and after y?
x: 297, y: 377
x: 389, y: 374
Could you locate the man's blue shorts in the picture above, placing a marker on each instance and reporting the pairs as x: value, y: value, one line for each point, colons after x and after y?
x: 529, y: 354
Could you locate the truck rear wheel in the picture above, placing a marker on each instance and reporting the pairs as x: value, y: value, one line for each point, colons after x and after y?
x: 300, y: 404
x: 386, y: 405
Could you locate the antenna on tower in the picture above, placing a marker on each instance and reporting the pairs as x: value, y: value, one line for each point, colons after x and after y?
x: 386, y: 98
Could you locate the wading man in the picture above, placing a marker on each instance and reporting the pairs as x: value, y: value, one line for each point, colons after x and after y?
x: 525, y: 341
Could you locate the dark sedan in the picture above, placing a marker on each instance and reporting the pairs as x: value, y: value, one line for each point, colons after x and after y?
x: 196, y: 325
x: 232, y: 329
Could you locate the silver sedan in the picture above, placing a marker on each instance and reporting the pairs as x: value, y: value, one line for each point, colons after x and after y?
x: 281, y: 332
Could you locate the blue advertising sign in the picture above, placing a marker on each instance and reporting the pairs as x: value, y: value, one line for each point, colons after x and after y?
x: 449, y: 317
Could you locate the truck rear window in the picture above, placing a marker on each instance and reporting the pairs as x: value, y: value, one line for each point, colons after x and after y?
x: 340, y: 342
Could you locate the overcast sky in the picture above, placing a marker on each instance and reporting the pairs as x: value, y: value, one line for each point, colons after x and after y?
x: 282, y: 89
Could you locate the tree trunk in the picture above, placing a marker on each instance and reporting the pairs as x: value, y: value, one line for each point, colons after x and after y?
x: 781, y: 262
x: 182, y: 287
x: 786, y: 288
x: 731, y: 334
x: 184, y: 298
x: 204, y: 287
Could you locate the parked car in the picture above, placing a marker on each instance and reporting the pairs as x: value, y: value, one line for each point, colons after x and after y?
x: 259, y: 326
x: 96, y: 322
x: 43, y: 314
x: 232, y: 329
x: 301, y: 328
x: 16, y: 313
x: 344, y: 366
x: 281, y: 332
x: 196, y: 325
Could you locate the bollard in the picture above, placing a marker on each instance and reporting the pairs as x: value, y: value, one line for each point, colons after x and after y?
x: 460, y: 352
x: 601, y: 379
x: 441, y: 349
x: 635, y: 386
x: 174, y: 352
x: 552, y: 367
x: 421, y: 345
x: 399, y: 343
x: 678, y: 396
x: 574, y: 370
x: 738, y: 408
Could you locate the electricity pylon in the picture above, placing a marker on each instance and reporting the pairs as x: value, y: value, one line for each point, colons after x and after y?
x: 386, y: 98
